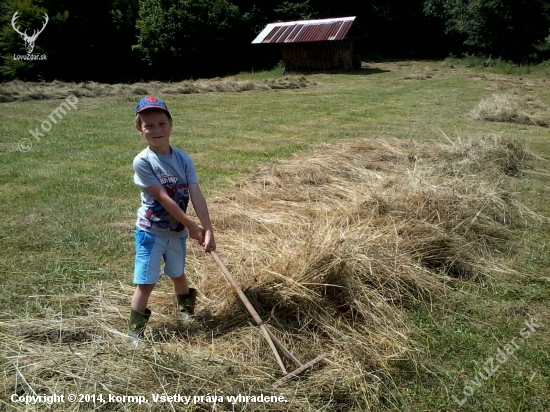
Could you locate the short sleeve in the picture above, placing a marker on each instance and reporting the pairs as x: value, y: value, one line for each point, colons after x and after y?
x: 143, y: 176
x: 191, y: 172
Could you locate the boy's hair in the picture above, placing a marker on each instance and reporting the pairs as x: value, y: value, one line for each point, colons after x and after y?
x: 139, y: 121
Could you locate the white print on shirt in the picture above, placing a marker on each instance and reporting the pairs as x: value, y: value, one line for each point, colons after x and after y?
x: 167, y: 179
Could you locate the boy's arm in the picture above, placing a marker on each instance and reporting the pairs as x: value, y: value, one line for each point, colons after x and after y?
x: 199, y: 204
x: 160, y: 195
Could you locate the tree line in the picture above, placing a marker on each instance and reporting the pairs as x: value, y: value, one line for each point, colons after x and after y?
x: 132, y: 40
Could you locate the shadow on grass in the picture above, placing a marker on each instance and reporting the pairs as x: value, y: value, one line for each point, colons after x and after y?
x: 366, y: 71
x: 282, y: 317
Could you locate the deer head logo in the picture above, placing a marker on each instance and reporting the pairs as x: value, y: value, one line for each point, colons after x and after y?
x: 29, y: 40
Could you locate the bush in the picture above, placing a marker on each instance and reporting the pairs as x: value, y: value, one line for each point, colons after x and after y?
x: 508, y: 29
x: 191, y: 35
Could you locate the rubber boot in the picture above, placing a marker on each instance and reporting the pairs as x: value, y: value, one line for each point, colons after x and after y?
x: 186, y: 305
x: 136, y: 325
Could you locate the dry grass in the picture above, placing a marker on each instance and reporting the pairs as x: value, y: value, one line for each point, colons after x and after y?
x: 331, y: 248
x: 512, y: 108
x: 24, y: 91
x: 425, y: 75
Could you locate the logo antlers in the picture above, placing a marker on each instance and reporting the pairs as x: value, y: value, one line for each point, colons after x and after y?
x: 29, y: 40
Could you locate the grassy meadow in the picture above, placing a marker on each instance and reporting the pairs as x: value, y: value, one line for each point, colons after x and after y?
x: 371, y: 216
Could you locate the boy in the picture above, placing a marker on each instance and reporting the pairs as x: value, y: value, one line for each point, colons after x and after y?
x: 167, y: 178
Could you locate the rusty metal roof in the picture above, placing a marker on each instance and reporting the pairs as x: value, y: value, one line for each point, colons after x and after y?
x: 305, y: 31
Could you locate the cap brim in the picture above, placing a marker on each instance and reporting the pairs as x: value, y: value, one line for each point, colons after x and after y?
x: 152, y: 107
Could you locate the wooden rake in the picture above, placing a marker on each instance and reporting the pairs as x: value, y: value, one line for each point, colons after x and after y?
x: 268, y: 335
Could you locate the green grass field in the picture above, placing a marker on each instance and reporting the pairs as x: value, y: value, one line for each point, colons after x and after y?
x: 69, y: 207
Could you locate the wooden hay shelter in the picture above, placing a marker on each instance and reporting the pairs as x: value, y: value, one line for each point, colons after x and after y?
x: 313, y: 45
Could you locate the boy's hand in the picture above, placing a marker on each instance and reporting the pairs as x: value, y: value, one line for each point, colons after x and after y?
x: 209, y: 242
x: 196, y: 232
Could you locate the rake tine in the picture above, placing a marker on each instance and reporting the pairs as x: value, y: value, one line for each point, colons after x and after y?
x: 298, y: 371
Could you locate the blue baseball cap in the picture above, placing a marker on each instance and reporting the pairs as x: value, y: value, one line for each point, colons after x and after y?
x: 151, y: 102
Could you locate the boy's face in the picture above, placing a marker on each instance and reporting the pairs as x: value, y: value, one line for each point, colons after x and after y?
x: 155, y: 127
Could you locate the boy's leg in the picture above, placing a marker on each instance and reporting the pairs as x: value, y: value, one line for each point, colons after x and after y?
x: 181, y: 287
x: 186, y: 297
x: 139, y: 313
x: 141, y: 297
x: 149, y: 251
x: 175, y: 268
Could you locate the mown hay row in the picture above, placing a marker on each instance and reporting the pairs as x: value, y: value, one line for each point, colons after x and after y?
x: 24, y: 91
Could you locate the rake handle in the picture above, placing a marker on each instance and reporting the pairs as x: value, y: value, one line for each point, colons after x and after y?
x: 237, y: 289
x: 250, y: 308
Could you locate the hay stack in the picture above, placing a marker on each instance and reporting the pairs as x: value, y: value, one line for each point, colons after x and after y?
x: 332, y: 248
x: 512, y: 108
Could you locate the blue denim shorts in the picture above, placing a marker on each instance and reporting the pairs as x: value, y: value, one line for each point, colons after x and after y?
x: 150, y: 250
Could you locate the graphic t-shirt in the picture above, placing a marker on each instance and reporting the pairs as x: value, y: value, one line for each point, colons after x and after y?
x: 175, y: 172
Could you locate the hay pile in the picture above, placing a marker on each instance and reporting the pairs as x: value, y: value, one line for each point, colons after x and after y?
x: 512, y: 108
x: 425, y: 75
x: 24, y: 91
x: 332, y: 248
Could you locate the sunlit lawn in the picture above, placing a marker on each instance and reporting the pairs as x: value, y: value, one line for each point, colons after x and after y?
x: 68, y: 205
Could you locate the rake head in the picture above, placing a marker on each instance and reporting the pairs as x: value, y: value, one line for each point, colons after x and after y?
x: 298, y: 371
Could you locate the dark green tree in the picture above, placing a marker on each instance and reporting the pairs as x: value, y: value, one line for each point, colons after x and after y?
x: 94, y: 42
x: 82, y: 40
x: 289, y: 11
x: 30, y: 17
x: 187, y: 37
x: 393, y: 28
x: 508, y: 29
